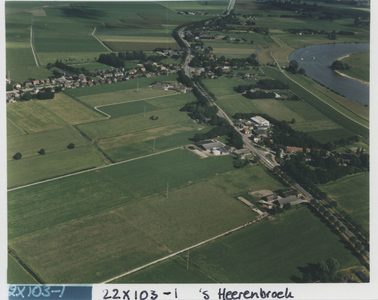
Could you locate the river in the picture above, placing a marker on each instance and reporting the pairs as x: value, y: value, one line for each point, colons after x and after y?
x: 316, y: 61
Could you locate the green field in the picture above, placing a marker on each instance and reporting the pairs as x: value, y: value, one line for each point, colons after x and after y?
x: 39, y: 167
x: 127, y: 95
x: 352, y: 195
x: 148, y: 105
x: 260, y: 253
x: 149, y: 141
x: 16, y: 274
x: 321, y: 106
x: 128, y: 124
x: 51, y: 141
x: 359, y: 64
x: 307, y: 118
x: 56, y: 206
x: 41, y: 115
x: 13, y: 129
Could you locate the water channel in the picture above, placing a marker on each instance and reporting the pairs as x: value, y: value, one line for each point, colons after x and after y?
x: 316, y: 61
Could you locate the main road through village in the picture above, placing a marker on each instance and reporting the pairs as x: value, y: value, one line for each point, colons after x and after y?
x: 247, y: 142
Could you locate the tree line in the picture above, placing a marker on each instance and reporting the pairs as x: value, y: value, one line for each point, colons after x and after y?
x: 266, y: 84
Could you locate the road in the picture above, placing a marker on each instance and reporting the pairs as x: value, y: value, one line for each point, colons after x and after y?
x: 230, y: 7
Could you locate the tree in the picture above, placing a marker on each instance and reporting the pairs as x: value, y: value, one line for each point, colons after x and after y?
x: 17, y: 156
x: 327, y: 213
x: 342, y: 228
x: 332, y: 219
x: 359, y: 246
x: 71, y: 146
x: 301, y: 71
x: 293, y: 121
x: 333, y: 266
x: 353, y: 239
x: 42, y: 151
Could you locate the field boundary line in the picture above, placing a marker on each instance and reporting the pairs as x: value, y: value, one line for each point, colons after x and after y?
x: 90, y: 170
x: 136, y: 100
x: 167, y: 7
x: 181, y: 251
x: 282, y: 71
x: 93, y: 34
x: 31, y: 45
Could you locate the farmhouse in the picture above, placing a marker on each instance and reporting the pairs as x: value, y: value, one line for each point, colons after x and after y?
x: 260, y: 121
x: 296, y: 149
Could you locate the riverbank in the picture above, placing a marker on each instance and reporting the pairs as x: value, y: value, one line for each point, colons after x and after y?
x: 350, y: 77
x: 319, y: 70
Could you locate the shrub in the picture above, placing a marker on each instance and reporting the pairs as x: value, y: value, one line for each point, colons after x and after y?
x: 42, y: 151
x: 71, y: 146
x: 18, y: 155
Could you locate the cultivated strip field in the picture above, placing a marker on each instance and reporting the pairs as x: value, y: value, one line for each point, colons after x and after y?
x: 259, y: 253
x: 185, y: 227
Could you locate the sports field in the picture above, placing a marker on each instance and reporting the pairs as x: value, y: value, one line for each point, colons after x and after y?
x: 352, y: 195
x: 260, y: 253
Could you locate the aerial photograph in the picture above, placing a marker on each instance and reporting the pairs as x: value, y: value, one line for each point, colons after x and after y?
x: 193, y: 142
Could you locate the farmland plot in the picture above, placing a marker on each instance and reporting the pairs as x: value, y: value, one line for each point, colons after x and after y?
x: 197, y: 212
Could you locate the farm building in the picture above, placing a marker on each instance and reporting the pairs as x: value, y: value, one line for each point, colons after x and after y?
x: 289, y: 199
x: 291, y: 192
x: 260, y: 121
x: 271, y: 197
x: 210, y: 145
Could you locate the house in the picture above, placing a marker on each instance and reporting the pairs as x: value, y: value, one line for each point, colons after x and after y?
x: 28, y: 83
x: 296, y: 149
x: 90, y: 83
x: 143, y: 69
x: 82, y: 78
x: 35, y: 82
x: 17, y: 85
x: 260, y: 133
x: 47, y: 80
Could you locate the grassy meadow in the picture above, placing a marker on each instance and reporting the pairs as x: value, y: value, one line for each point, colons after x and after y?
x: 201, y: 204
x: 319, y: 105
x: 359, y: 64
x: 272, y: 254
x: 352, y: 195
x: 40, y: 167
x: 41, y: 115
